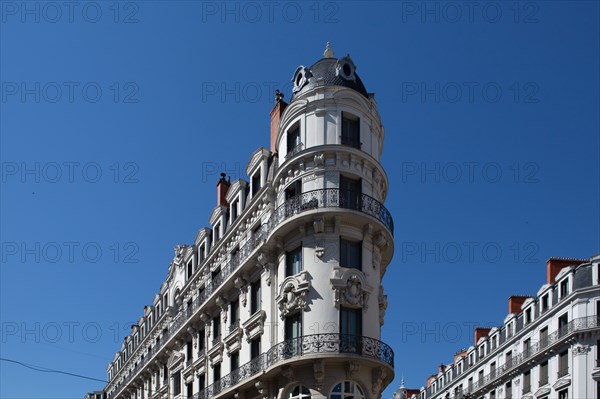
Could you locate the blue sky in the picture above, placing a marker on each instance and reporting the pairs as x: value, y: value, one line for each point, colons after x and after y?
x: 116, y: 118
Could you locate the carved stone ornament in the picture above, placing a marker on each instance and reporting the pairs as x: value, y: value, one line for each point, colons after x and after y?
x: 242, y: 285
x: 383, y: 303
x: 581, y: 350
x: 378, y: 376
x: 319, y: 374
x: 351, y: 289
x: 293, y: 294
x: 319, y: 160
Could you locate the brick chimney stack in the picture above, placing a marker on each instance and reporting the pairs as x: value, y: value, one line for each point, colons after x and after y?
x: 481, y: 332
x: 555, y: 265
x: 276, y: 113
x: 222, y: 188
x: 515, y: 302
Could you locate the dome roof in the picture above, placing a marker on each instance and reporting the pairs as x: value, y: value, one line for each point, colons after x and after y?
x: 328, y: 71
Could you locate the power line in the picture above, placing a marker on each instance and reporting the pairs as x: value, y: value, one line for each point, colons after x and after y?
x: 48, y: 370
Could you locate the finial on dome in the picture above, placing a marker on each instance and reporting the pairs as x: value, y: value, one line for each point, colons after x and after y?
x: 328, y: 53
x: 402, y: 386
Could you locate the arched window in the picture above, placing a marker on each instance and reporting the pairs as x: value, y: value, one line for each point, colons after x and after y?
x: 347, y: 390
x: 299, y: 392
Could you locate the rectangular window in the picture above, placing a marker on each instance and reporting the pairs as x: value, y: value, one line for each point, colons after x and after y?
x: 563, y: 363
x: 563, y: 320
x: 202, y: 381
x: 293, y: 190
x: 216, y: 372
x: 544, y: 337
x: 190, y: 269
x: 508, y: 389
x: 493, y: 368
x: 350, y: 321
x: 216, y: 329
x: 255, y: 297
x: 526, y: 382
x: 256, y: 183
x: 234, y: 210
x: 350, y: 193
x: 217, y: 232
x: 293, y: 261
x: 255, y: 348
x: 526, y: 347
x: 493, y: 395
x: 293, y: 332
x: 528, y: 316
x: 177, y: 383
x: 201, y: 253
x: 351, y: 254
x: 544, y: 303
x: 189, y: 348
x: 350, y: 130
x: 543, y: 373
x: 235, y: 313
x: 293, y: 326
x: 293, y: 140
x: 509, y: 360
x: 201, y: 338
x: 215, y: 273
x: 235, y: 360
x: 563, y: 394
x: 564, y: 288
x: 480, y: 379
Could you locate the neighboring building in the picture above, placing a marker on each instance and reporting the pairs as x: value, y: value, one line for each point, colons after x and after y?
x: 281, y: 296
x: 548, y: 346
x: 94, y: 395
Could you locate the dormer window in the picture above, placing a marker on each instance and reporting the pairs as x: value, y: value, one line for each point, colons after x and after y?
x: 528, y: 315
x: 234, y: 210
x: 345, y: 68
x: 256, y: 182
x: 350, y: 130
x: 544, y: 303
x: 217, y: 232
x: 564, y: 288
x: 190, y: 269
x: 300, y: 78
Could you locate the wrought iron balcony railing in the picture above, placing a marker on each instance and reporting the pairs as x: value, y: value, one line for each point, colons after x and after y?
x: 518, y: 359
x: 306, y: 345
x: 296, y: 149
x: 306, y: 201
x: 332, y: 198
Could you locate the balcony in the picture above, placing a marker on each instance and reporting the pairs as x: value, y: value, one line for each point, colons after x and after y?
x: 366, y: 347
x: 332, y: 198
x: 513, y: 363
x: 296, y: 149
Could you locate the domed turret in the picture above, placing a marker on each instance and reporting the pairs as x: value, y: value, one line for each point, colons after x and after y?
x: 328, y: 71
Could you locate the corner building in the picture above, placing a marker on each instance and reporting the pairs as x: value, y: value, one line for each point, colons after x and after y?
x: 281, y: 296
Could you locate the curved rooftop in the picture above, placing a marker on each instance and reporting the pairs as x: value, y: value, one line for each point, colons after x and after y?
x: 328, y: 71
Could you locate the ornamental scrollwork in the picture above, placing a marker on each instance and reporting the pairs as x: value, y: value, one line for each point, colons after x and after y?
x: 351, y: 289
x: 293, y: 294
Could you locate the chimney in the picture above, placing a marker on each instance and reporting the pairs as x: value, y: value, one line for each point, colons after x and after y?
x: 481, y: 332
x: 555, y: 265
x: 515, y: 302
x: 222, y: 188
x: 459, y: 355
x: 276, y: 113
x: 441, y: 368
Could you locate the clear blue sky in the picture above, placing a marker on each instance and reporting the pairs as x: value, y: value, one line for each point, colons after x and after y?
x: 116, y: 118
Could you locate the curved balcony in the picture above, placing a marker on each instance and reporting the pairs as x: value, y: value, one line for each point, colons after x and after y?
x: 332, y: 198
x: 316, y: 344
